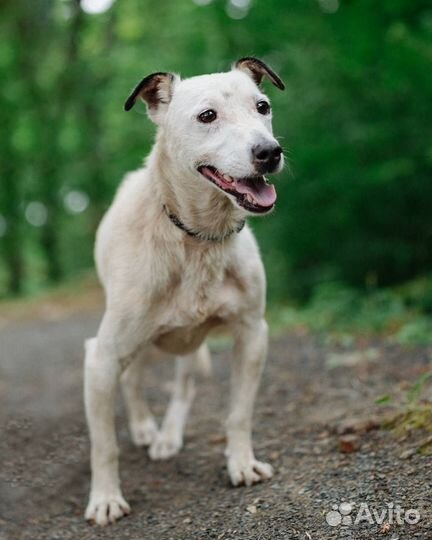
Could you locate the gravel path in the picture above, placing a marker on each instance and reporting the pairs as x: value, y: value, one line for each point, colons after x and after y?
x: 315, y: 422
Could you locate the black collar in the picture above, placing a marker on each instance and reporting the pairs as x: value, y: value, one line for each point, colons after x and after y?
x: 200, y: 235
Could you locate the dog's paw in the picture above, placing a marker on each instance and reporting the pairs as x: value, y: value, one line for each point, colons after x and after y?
x: 104, y: 509
x: 248, y: 471
x: 144, y: 432
x: 165, y: 445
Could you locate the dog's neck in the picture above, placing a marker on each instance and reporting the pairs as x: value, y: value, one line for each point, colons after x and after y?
x: 198, y: 205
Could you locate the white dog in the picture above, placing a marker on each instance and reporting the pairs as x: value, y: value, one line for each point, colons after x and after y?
x: 176, y: 260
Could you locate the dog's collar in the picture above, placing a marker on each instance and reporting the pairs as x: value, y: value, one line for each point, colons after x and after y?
x: 200, y: 235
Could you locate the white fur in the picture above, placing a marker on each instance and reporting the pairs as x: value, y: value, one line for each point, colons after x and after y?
x: 166, y: 290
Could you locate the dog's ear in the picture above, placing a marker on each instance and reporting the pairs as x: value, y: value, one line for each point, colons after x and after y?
x: 257, y: 69
x: 156, y: 90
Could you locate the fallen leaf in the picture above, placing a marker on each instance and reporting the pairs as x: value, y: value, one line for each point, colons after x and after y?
x: 349, y: 444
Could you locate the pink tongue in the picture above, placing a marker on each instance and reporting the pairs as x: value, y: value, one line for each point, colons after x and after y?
x: 262, y: 193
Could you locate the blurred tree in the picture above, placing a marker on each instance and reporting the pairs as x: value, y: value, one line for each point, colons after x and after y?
x: 355, y: 121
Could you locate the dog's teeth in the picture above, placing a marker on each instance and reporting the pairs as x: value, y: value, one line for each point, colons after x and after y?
x: 228, y: 179
x: 249, y: 198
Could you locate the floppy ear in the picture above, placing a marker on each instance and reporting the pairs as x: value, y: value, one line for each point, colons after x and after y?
x: 156, y: 90
x: 256, y: 69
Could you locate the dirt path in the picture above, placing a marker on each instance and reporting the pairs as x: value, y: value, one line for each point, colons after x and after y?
x: 309, y: 393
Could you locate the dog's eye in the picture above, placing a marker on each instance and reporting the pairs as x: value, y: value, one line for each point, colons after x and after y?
x: 207, y: 116
x: 263, y: 107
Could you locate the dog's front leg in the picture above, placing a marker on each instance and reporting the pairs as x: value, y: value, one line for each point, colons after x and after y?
x: 250, y: 352
x: 169, y: 440
x: 142, y: 425
x: 101, y: 374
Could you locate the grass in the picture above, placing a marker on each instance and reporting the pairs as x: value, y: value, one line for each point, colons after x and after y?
x: 342, y: 313
x: 403, y: 315
x: 412, y: 413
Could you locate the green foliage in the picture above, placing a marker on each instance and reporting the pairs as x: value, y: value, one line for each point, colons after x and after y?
x: 344, y: 311
x: 355, y: 122
x: 418, y: 331
x: 412, y: 419
x: 384, y: 400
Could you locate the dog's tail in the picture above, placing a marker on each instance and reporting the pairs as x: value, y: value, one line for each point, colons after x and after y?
x: 203, y: 363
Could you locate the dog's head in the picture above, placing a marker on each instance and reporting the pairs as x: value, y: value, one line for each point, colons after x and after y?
x: 219, y: 128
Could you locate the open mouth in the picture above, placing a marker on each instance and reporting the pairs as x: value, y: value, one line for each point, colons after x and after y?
x: 253, y: 193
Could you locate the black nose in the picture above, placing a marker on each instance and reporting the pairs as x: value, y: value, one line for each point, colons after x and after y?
x: 266, y: 156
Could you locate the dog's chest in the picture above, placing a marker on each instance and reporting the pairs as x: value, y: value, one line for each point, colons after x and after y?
x: 195, y: 301
x: 193, y: 294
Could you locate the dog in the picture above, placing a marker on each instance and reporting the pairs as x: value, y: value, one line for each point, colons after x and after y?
x: 176, y: 260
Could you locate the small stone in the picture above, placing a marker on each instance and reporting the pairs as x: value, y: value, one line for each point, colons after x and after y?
x: 385, y: 528
x: 357, y: 425
x: 252, y: 509
x: 406, y: 454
